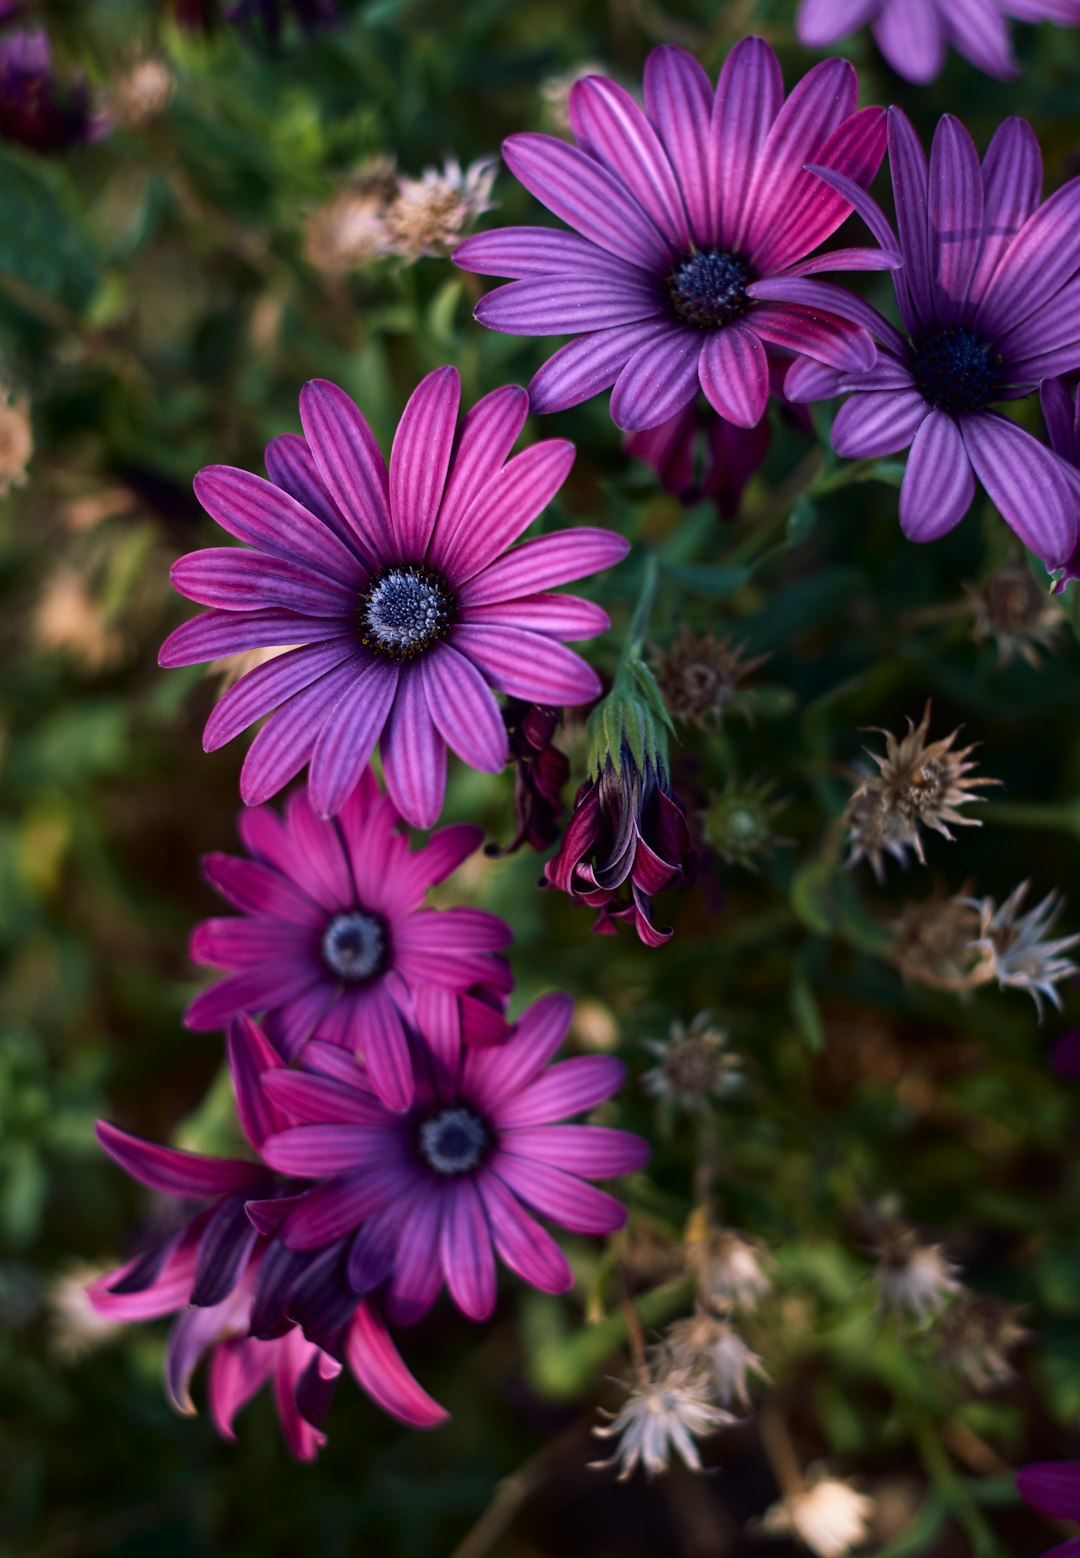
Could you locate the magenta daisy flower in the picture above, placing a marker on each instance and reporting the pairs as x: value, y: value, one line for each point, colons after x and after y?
x: 989, y: 295
x: 685, y: 217
x: 1053, y: 1488
x: 238, y: 1294
x: 438, y: 1192
x: 399, y: 591
x: 334, y: 937
x: 914, y: 37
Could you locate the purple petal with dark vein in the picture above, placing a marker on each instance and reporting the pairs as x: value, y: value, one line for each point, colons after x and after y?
x: 610, y: 126
x: 420, y: 460
x: 274, y: 682
x: 954, y: 215
x: 566, y: 1200
x: 980, y: 31
x: 808, y: 293
x: 939, y: 483
x: 194, y: 1331
x: 527, y: 665
x: 912, y: 35
x: 438, y: 859
x: 417, y: 1273
x: 338, y: 1206
x: 290, y: 1025
x: 379, y: 1370
x: 215, y: 634
x: 414, y: 753
x: 505, y: 507
x: 381, y: 1039
x: 678, y: 100
x: 349, y: 463
x: 322, y: 1303
x: 1053, y: 331
x: 821, y: 23
x: 311, y: 1098
x: 882, y: 422
x: 315, y: 1151
x: 463, y: 709
x: 907, y: 165
x: 564, y: 1089
x: 1051, y: 1487
x: 566, y: 617
x: 538, y: 251
x: 659, y: 380
x: 236, y: 580
x: 1061, y: 419
x: 734, y: 374
x: 291, y: 466
x: 749, y: 96
x: 589, y: 1151
x: 845, y: 260
x: 493, y: 1075
x: 465, y: 1252
x: 584, y: 367
x: 349, y: 736
x: 487, y: 434
x: 279, y: 1271
x: 255, y: 990
x: 862, y: 203
x: 250, y: 1055
x: 173, y: 1172
x: 542, y: 562
x: 588, y: 198
x: 570, y: 305
x: 237, y: 1371
x: 224, y: 1250
x: 244, y: 943
x: 1012, y: 188
x: 286, y: 742
x: 807, y: 381
x: 1043, y: 256
x: 522, y: 1243
x: 263, y: 516
x: 371, y: 1255
x: 790, y: 328
x: 1025, y: 482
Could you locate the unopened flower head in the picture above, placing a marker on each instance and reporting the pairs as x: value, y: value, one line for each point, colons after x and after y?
x: 699, y: 677
x: 918, y: 785
x: 729, y: 1269
x: 669, y: 1406
x: 432, y: 214
x: 16, y: 442
x: 1016, y: 614
x: 738, y: 822
x: 913, y: 1279
x: 828, y: 1515
x: 1016, y: 950
x: 713, y: 1346
x: 695, y: 1064
x: 975, y: 1337
x: 934, y: 943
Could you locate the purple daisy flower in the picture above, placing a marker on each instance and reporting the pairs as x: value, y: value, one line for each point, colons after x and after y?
x: 399, y: 591
x: 334, y: 937
x: 686, y: 219
x: 36, y: 108
x: 237, y: 1293
x: 914, y: 35
x: 989, y: 295
x: 438, y: 1192
x: 1053, y: 1488
x: 1061, y: 413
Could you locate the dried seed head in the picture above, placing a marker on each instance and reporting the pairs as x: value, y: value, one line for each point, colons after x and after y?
x: 431, y: 215
x: 830, y: 1516
x: 730, y: 1269
x: 668, y: 1407
x: 16, y: 442
x: 1014, y: 950
x: 700, y: 677
x: 711, y: 1345
x: 934, y: 944
x: 349, y: 231
x: 695, y: 1064
x: 975, y: 1336
x: 917, y: 786
x: 912, y: 1279
x: 1012, y: 610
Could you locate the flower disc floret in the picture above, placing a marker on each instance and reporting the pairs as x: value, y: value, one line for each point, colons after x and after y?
x: 354, y: 946
x: 404, y: 611
x: 454, y: 1140
x: 708, y: 288
x: 957, y: 369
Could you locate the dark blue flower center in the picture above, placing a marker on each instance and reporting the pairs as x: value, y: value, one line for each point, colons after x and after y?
x: 957, y: 369
x: 708, y: 288
x: 354, y: 946
x: 404, y: 611
x: 454, y: 1141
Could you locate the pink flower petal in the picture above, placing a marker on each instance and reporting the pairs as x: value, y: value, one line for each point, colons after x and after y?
x: 420, y: 459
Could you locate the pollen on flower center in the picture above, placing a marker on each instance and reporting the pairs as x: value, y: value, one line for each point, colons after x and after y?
x: 404, y: 611
x: 454, y: 1141
x: 708, y: 288
x: 957, y: 369
x: 354, y: 946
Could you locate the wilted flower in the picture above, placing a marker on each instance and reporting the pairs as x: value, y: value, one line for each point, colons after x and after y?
x: 36, y: 108
x: 140, y: 92
x: 934, y: 943
x: 915, y: 43
x: 912, y: 1278
x: 729, y: 1268
x: 1014, y: 948
x: 738, y: 822
x: 349, y: 231
x: 432, y: 214
x: 16, y: 441
x: 669, y: 1406
x: 1012, y: 610
x: 682, y: 269
x: 711, y: 1345
x: 700, y: 675
x: 830, y: 1516
x: 695, y: 1064
x: 975, y: 1336
x: 917, y: 786
x: 540, y: 771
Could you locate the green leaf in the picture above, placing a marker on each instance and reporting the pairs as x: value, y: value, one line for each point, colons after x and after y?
x: 42, y: 243
x: 712, y: 581
x: 804, y: 1009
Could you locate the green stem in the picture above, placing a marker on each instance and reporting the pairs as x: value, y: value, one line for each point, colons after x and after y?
x: 952, y: 1488
x: 642, y: 617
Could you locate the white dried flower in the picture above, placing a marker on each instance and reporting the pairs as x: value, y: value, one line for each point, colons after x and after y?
x: 349, y: 231
x: 694, y: 1064
x: 1015, y: 951
x: 430, y: 215
x: 669, y: 1406
x: 913, y: 1278
x: 828, y: 1515
x: 714, y: 1348
x: 976, y: 1335
x: 729, y: 1269
x: 141, y: 93
x: 76, y: 1327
